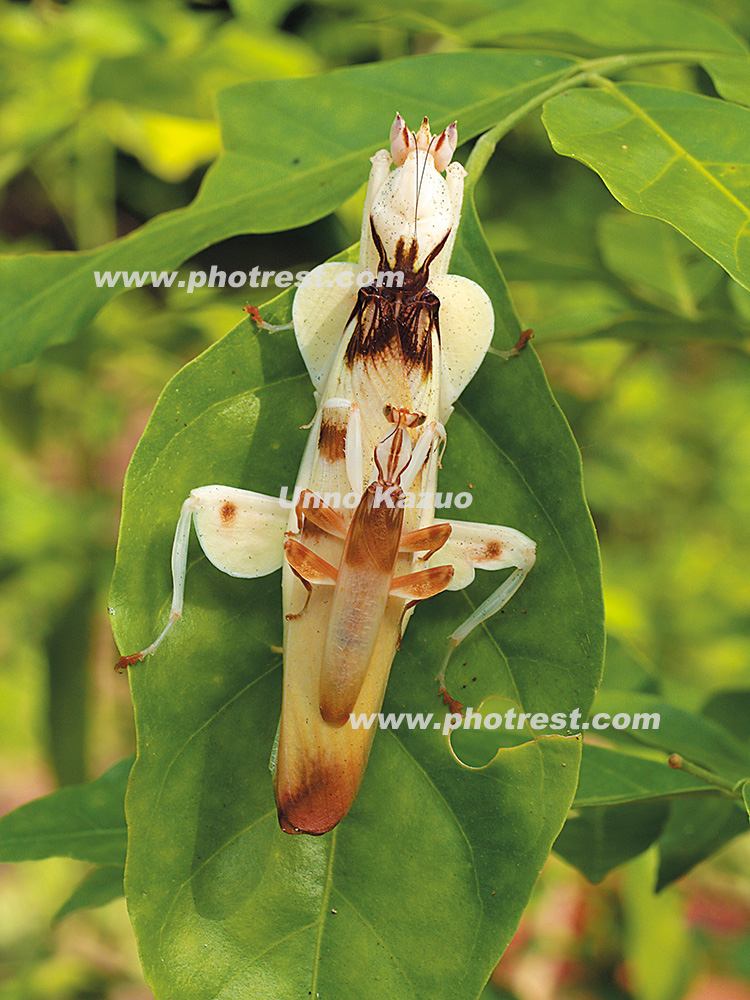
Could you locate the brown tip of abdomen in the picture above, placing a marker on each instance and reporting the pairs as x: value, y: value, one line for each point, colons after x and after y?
x: 334, y: 715
x: 313, y: 827
x: 313, y: 815
x: 317, y: 802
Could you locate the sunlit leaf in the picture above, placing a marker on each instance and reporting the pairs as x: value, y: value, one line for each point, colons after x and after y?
x: 679, y: 157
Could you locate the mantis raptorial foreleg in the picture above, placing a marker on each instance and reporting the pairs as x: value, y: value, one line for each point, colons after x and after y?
x: 309, y: 569
x: 313, y: 507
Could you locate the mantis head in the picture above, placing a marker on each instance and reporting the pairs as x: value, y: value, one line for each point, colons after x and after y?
x: 414, y: 207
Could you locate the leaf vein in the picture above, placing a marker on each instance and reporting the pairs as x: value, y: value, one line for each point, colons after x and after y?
x: 463, y: 833
x: 377, y: 937
x: 211, y: 718
x: 323, y: 907
x: 206, y: 861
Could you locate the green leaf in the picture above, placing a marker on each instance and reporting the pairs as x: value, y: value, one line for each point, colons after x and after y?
x: 679, y: 157
x: 148, y: 80
x: 731, y: 709
x: 700, y: 740
x: 577, y: 310
x: 182, y: 80
x: 294, y: 151
x: 694, y: 831
x: 610, y: 776
x: 100, y: 886
x: 626, y: 668
x: 261, y: 11
x: 614, y: 26
x: 84, y: 821
x: 661, y: 265
x: 431, y: 850
x: 599, y: 839
x: 746, y: 796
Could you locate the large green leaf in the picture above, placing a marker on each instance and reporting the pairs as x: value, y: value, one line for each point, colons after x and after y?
x: 294, y: 151
x: 609, y: 26
x: 223, y: 903
x: 680, y: 157
x: 84, y: 821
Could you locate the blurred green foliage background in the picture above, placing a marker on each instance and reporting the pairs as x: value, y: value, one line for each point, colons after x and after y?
x: 106, y: 119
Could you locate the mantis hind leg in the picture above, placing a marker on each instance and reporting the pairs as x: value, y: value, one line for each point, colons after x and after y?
x: 309, y: 569
x: 474, y: 546
x: 241, y: 533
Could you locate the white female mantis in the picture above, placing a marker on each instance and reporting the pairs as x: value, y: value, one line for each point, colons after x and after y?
x: 376, y: 356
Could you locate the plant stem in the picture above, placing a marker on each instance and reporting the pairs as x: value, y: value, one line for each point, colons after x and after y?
x: 679, y: 763
x: 586, y: 71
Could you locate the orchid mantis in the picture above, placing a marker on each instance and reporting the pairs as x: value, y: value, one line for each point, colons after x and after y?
x: 387, y: 364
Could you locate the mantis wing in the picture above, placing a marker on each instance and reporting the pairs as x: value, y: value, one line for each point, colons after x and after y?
x: 474, y: 546
x: 241, y: 532
x: 322, y: 306
x: 467, y: 323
